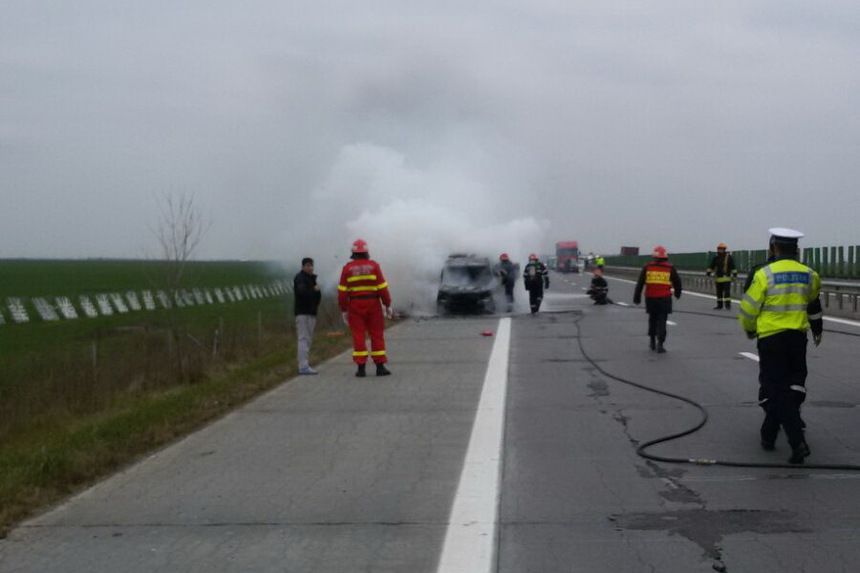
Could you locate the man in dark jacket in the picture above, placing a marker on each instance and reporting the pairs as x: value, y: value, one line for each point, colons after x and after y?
x: 306, y: 301
x: 660, y: 280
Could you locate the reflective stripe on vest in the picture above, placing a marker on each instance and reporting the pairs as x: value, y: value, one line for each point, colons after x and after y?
x: 658, y: 280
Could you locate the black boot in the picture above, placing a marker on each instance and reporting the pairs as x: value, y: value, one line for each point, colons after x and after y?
x: 660, y: 349
x: 652, y: 344
x: 381, y: 370
x: 361, y: 372
x: 768, y: 436
x: 798, y: 453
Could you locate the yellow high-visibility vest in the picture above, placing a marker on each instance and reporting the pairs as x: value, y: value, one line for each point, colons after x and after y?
x: 778, y: 297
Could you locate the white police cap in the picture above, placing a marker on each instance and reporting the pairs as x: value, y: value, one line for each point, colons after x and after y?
x: 784, y: 235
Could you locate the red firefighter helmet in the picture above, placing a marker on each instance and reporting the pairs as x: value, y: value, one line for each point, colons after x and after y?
x: 533, y: 257
x: 660, y: 252
x: 359, y: 246
x: 504, y: 257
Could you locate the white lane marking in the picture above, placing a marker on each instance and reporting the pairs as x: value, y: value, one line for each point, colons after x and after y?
x: 749, y: 355
x: 622, y: 304
x: 842, y: 320
x: 671, y: 323
x: 470, y: 541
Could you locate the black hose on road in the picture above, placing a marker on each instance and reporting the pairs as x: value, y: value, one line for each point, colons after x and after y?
x: 704, y: 419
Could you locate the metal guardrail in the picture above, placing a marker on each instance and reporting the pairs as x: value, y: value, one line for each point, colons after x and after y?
x: 839, y: 298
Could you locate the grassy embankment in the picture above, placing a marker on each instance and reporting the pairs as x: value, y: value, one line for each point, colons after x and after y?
x: 81, y: 398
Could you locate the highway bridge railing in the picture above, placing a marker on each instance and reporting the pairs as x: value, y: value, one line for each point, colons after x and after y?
x: 840, y: 298
x: 829, y: 262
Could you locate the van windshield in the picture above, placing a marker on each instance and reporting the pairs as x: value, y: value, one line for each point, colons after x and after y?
x: 463, y: 275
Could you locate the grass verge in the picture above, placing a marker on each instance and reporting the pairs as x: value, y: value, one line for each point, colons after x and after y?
x: 47, y: 463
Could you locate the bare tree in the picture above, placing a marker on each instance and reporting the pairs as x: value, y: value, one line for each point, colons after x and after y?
x: 180, y: 230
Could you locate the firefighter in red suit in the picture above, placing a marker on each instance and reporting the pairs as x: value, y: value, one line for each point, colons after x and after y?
x: 359, y: 293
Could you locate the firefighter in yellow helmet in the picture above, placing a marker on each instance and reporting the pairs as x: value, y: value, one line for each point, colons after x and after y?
x: 723, y: 269
x: 780, y: 305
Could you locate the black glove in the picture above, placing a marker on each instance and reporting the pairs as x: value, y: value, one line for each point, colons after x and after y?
x: 751, y: 334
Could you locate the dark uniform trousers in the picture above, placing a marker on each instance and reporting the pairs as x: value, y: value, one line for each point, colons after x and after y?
x: 658, y: 309
x: 782, y: 379
x: 724, y: 294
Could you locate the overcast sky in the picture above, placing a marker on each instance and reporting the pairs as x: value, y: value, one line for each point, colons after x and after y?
x: 429, y: 126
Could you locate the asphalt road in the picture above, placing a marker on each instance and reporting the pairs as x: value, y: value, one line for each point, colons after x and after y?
x: 509, y: 452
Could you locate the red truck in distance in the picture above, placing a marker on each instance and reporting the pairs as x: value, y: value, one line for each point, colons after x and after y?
x: 567, y: 256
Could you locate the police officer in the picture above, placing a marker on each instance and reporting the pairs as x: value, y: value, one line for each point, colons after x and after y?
x: 723, y: 268
x: 359, y: 293
x: 660, y: 280
x: 778, y: 308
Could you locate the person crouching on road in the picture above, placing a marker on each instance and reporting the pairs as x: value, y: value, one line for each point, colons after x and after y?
x: 780, y: 305
x: 306, y: 302
x: 361, y: 289
x: 723, y: 268
x: 660, y: 280
x: 599, y: 289
x: 536, y: 279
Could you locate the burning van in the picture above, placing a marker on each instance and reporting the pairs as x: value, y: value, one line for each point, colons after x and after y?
x: 467, y: 285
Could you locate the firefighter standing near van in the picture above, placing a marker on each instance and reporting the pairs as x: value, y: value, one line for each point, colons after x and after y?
x: 779, y: 307
x: 660, y: 280
x: 536, y: 279
x: 361, y: 289
x: 723, y: 269
x: 507, y: 275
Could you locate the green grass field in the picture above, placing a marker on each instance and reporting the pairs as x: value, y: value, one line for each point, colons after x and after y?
x: 26, y: 279
x: 81, y: 365
x: 31, y: 277
x: 81, y: 397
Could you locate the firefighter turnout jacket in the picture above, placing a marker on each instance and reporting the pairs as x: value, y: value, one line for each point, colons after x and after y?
x: 783, y: 295
x: 722, y: 267
x: 361, y: 279
x: 361, y: 289
x: 659, y: 279
x: 535, y: 276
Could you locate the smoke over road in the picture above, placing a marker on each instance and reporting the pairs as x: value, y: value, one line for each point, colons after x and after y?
x: 412, y: 219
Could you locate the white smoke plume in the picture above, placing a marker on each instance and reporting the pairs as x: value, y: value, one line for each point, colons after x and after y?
x: 412, y: 219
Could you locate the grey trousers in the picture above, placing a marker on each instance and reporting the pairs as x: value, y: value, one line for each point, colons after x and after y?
x: 305, y: 324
